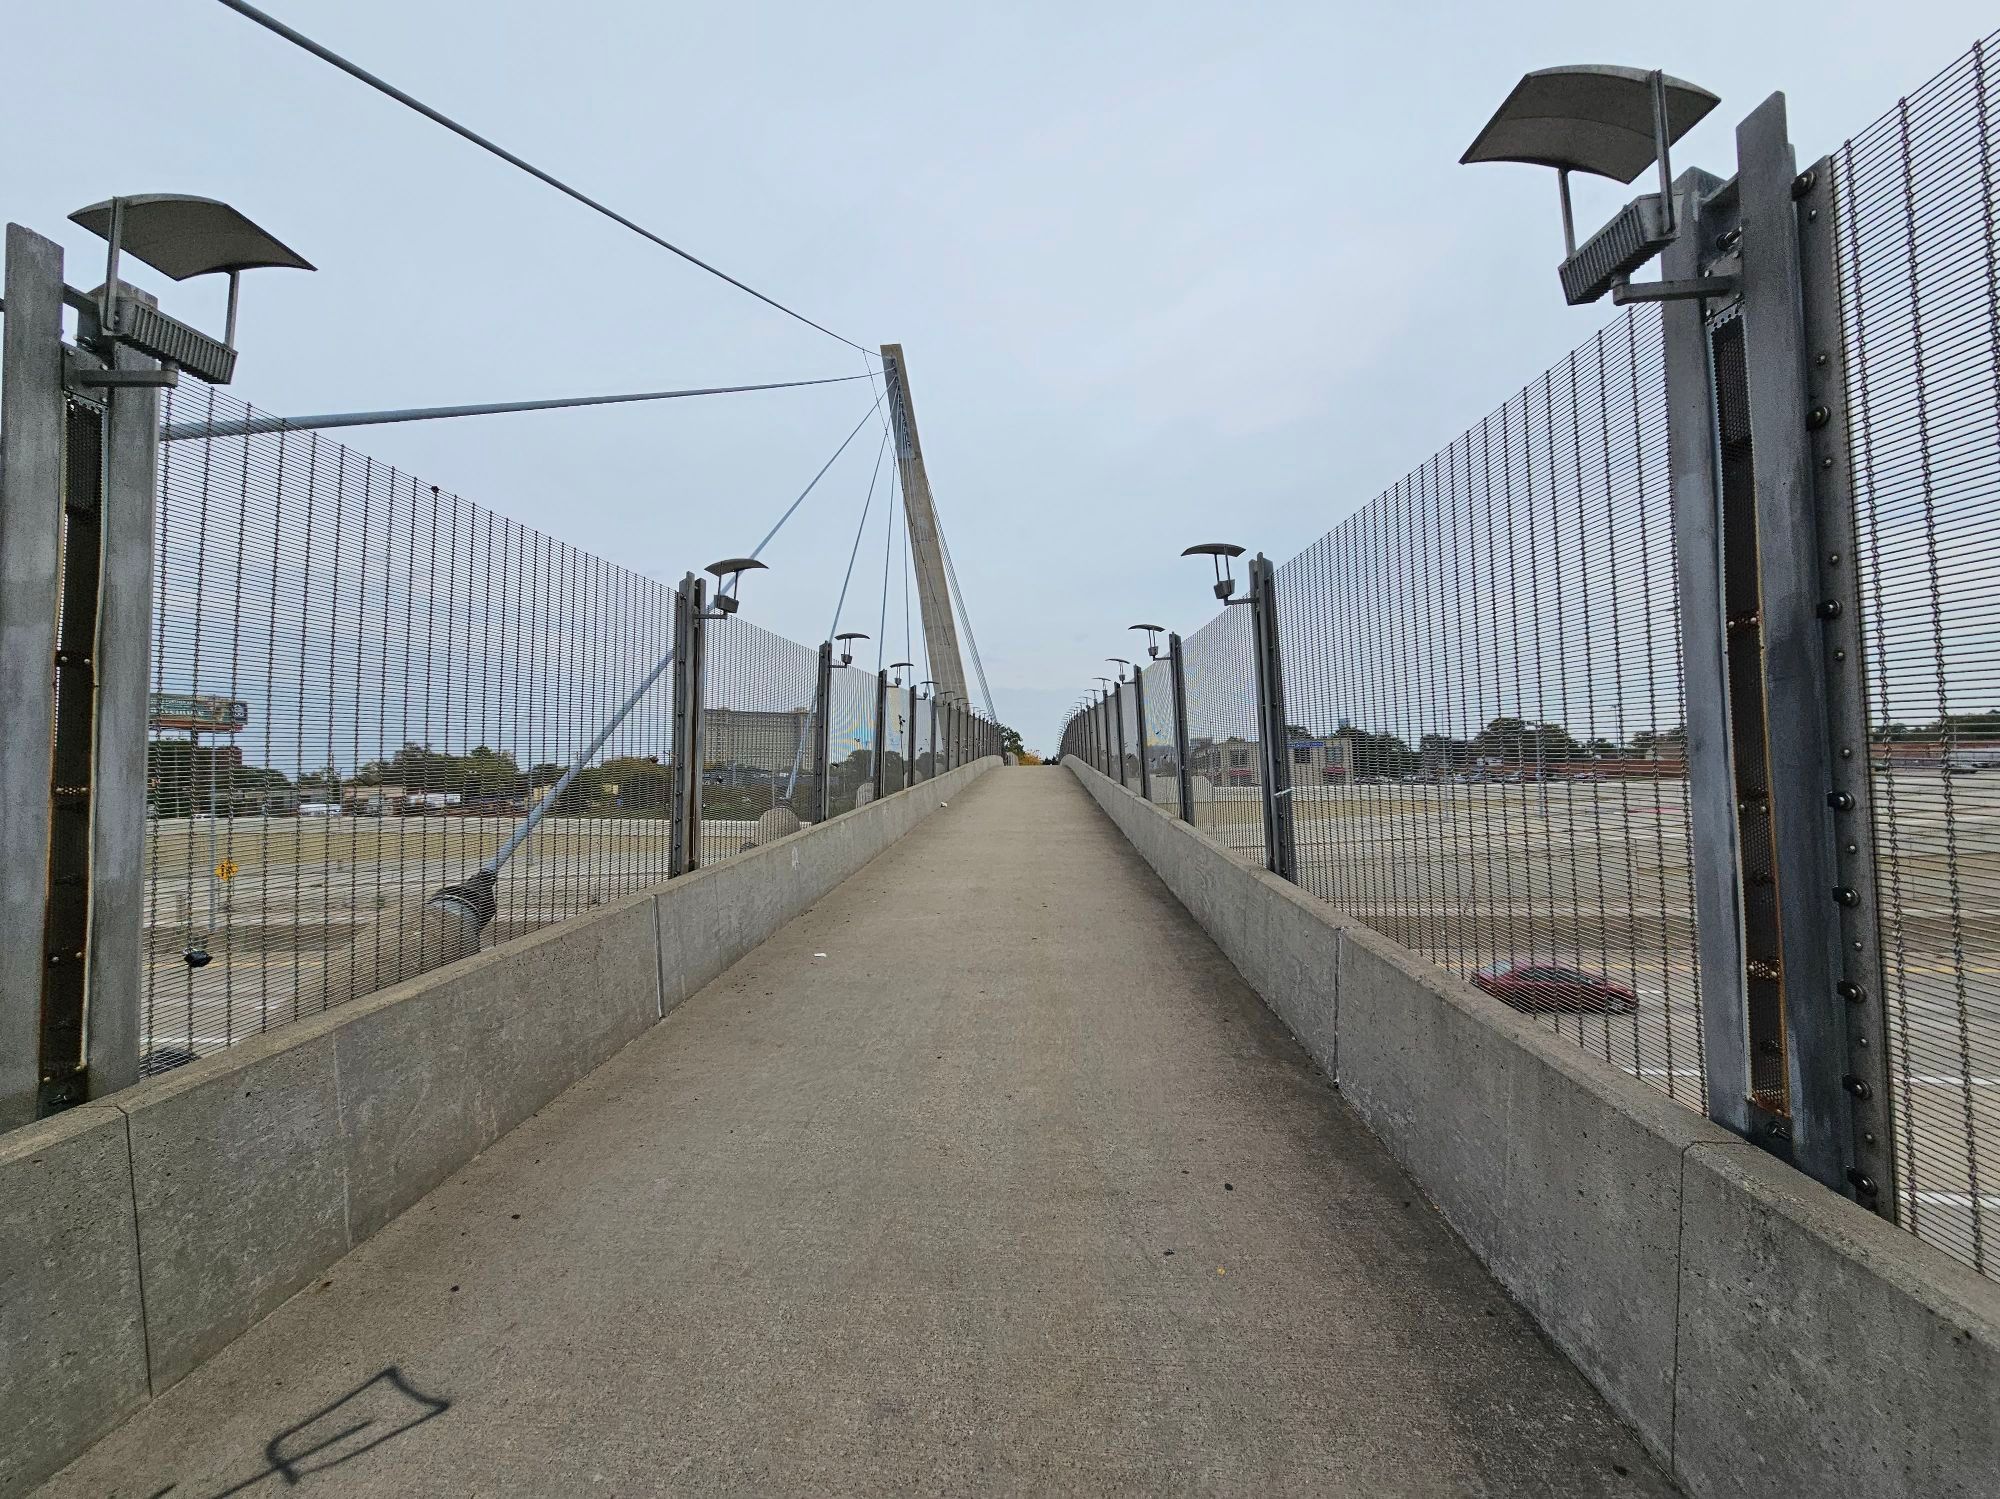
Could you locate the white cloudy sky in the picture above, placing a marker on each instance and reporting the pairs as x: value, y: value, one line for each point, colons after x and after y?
x: 1164, y: 273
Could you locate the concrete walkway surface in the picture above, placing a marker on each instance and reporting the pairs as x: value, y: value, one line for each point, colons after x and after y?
x: 986, y: 1175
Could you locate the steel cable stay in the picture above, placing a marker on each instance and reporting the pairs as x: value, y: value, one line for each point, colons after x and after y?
x: 354, y: 70
x: 258, y: 424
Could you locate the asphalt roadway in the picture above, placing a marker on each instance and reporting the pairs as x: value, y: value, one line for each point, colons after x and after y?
x: 985, y: 1175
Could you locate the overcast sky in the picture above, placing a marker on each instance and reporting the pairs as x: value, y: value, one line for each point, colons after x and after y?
x: 1163, y: 273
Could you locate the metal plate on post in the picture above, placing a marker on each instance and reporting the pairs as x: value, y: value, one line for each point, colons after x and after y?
x: 1859, y: 961
x: 1795, y: 689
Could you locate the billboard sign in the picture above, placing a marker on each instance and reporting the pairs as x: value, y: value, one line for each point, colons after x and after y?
x: 199, y: 713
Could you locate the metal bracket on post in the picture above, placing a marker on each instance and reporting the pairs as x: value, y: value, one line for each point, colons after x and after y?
x: 1280, y: 850
x: 881, y: 733
x: 690, y: 604
x: 1177, y: 669
x: 822, y: 733
x: 910, y: 738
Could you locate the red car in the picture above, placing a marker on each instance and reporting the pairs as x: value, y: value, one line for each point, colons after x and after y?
x: 1551, y: 989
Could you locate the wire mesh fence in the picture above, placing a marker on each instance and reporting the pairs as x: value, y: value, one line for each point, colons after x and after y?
x: 758, y: 777
x: 1920, y: 294
x: 1222, y: 739
x: 851, y: 740
x: 1484, y: 699
x: 1162, y: 758
x: 1484, y: 731
x: 362, y: 684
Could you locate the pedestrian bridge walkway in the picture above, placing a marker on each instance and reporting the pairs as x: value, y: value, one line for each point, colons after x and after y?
x: 986, y: 1174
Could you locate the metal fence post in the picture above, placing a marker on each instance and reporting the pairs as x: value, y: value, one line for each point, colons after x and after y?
x: 119, y: 773
x: 31, y: 434
x: 1139, y: 718
x: 690, y: 602
x: 937, y: 764
x: 1861, y: 989
x: 1177, y: 674
x: 1118, y: 718
x: 1695, y: 482
x: 1280, y: 852
x: 910, y: 738
x: 1795, y: 611
x: 881, y: 732
x: 823, y: 734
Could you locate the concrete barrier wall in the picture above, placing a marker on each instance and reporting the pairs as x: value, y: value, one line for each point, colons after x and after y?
x: 1763, y: 1336
x: 143, y: 1232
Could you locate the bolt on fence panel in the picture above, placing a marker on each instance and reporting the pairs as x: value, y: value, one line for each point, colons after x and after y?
x: 757, y: 726
x: 1916, y: 242
x: 1222, y: 737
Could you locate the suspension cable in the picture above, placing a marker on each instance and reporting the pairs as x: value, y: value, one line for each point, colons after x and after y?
x: 855, y: 550
x: 354, y: 70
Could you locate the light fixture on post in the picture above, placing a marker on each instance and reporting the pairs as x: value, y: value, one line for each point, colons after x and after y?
x: 1221, y: 552
x: 179, y: 236
x: 1121, y: 663
x: 897, y: 667
x: 1153, y: 633
x: 728, y: 578
x: 846, y: 649
x: 1610, y: 122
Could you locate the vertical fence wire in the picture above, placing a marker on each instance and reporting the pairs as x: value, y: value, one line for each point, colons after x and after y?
x: 1919, y: 269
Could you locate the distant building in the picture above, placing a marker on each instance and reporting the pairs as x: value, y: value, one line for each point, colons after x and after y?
x: 1239, y: 762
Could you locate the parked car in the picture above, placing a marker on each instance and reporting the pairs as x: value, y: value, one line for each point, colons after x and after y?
x: 1551, y: 989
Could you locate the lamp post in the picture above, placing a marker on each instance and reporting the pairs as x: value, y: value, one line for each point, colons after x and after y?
x: 1280, y: 848
x: 81, y: 430
x: 1795, y: 1042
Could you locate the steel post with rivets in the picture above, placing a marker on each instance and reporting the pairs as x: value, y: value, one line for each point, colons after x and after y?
x: 1858, y: 967
x: 1795, y: 613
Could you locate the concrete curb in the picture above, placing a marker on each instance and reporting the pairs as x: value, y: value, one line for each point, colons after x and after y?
x: 144, y: 1232
x: 1762, y: 1335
